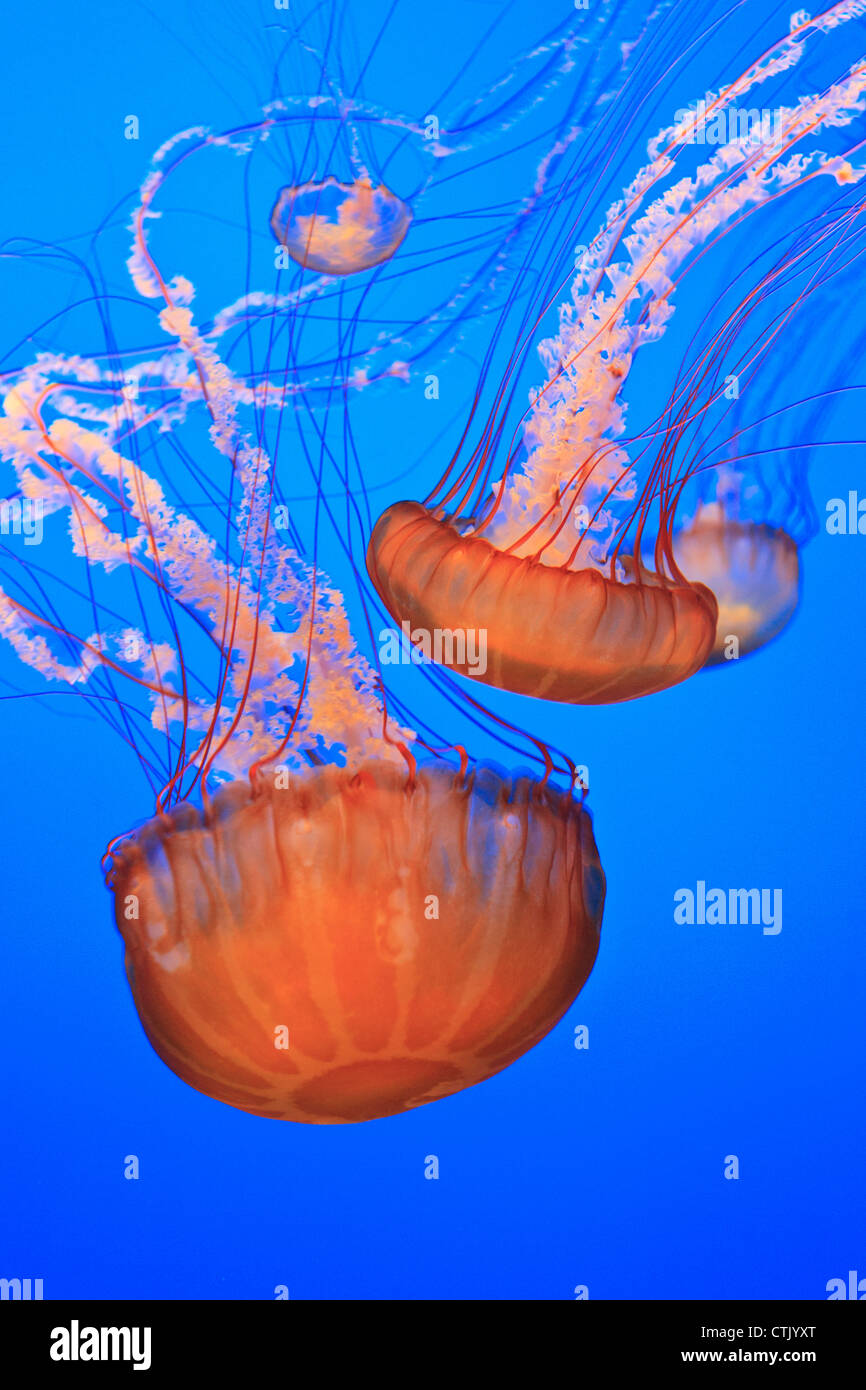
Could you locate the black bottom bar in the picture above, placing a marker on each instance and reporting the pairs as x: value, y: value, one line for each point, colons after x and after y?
x: 69, y: 1338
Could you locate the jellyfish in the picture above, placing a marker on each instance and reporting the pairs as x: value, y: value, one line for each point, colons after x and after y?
x: 752, y: 569
x: 325, y: 920
x: 376, y: 242
x: 357, y: 943
x: 579, y: 560
x: 340, y: 228
x: 746, y: 513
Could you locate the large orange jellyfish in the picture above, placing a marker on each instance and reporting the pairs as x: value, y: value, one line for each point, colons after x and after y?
x: 360, y: 941
x: 344, y: 930
x: 552, y: 632
x: 549, y: 560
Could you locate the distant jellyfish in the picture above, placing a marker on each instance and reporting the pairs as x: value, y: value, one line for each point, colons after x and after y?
x: 752, y: 569
x: 743, y: 523
x: 576, y: 559
x: 340, y: 228
x: 325, y: 921
x: 395, y: 234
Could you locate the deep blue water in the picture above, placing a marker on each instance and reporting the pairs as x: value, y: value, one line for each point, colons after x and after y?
x: 602, y: 1167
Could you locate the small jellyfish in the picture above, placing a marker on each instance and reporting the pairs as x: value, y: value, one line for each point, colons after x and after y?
x: 340, y: 228
x: 754, y: 572
x: 742, y: 525
x: 441, y: 202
